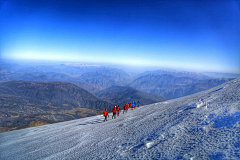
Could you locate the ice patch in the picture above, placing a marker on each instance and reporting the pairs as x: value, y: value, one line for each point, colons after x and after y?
x: 207, y: 128
x: 202, y: 104
x: 162, y: 136
x: 149, y: 144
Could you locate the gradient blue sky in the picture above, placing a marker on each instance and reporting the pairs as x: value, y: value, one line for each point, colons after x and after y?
x: 197, y: 35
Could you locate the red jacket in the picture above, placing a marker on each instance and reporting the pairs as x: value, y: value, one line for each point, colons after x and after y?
x: 114, y: 110
x: 105, y: 113
x: 125, y: 106
x: 130, y: 104
x: 118, y: 108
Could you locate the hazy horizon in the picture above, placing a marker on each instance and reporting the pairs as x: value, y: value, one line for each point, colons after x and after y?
x: 183, y: 35
x: 127, y: 68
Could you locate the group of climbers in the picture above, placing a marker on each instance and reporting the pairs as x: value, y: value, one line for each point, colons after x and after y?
x: 116, y: 109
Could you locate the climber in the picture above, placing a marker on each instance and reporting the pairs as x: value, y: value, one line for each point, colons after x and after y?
x: 130, y: 105
x: 138, y: 104
x: 114, y: 110
x: 125, y: 108
x: 135, y: 104
x: 118, y: 110
x: 105, y: 114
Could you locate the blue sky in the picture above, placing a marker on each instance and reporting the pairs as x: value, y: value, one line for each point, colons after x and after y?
x: 196, y: 35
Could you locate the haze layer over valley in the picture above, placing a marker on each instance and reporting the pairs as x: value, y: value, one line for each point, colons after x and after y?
x: 33, y: 95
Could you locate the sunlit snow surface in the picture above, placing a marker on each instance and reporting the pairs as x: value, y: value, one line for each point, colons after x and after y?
x: 200, y: 126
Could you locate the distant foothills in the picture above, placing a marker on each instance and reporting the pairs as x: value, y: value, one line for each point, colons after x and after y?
x: 44, y: 94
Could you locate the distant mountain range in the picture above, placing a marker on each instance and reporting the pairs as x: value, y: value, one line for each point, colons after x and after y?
x: 45, y: 98
x: 72, y: 69
x: 106, y: 77
x: 90, y: 77
x: 94, y: 78
x: 221, y: 75
x: 172, y: 87
x: 195, y: 75
x: 165, y: 80
x: 49, y: 77
x: 47, y: 102
x: 122, y: 94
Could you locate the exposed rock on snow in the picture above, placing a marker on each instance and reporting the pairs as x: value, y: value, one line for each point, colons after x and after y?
x: 182, y: 128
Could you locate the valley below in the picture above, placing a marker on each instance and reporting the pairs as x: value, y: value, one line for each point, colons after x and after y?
x: 45, y: 94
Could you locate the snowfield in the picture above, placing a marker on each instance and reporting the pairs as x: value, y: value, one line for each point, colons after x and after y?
x: 204, y: 125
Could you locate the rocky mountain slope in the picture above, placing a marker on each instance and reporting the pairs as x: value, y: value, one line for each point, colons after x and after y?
x: 204, y: 125
x: 53, y: 92
x: 121, y: 95
x: 24, y: 102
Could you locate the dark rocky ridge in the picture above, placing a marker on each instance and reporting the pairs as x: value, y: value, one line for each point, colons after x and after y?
x: 24, y: 104
x: 54, y: 92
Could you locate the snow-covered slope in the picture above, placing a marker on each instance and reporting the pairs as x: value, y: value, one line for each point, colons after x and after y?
x: 200, y: 126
